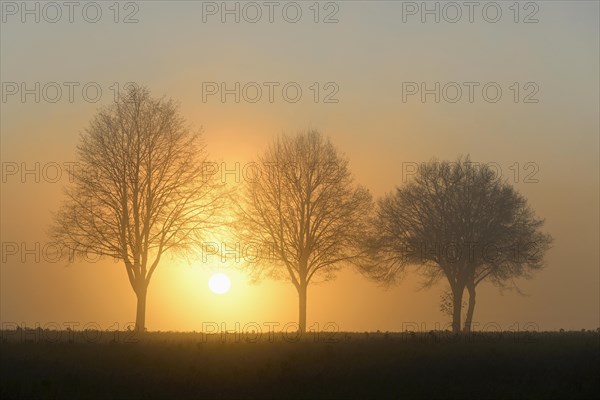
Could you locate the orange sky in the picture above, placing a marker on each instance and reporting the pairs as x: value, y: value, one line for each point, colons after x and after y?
x: 368, y: 55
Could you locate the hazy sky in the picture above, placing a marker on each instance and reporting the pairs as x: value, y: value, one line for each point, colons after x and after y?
x: 371, y: 57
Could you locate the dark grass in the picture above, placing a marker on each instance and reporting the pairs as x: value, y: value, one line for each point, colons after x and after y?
x: 394, y: 366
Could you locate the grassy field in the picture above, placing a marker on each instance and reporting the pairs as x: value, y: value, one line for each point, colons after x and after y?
x: 59, y: 365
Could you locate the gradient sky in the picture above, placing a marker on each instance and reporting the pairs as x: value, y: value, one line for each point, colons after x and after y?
x: 369, y: 53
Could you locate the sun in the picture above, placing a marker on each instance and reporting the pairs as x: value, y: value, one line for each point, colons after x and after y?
x: 219, y: 283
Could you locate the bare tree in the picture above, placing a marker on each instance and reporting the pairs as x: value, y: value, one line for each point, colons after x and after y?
x: 304, y: 207
x: 456, y: 220
x: 139, y: 190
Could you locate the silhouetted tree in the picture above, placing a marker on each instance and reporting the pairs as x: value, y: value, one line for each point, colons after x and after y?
x: 139, y: 190
x: 456, y: 220
x: 304, y: 206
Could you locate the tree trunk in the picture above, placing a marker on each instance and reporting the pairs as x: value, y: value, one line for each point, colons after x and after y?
x: 302, y: 308
x: 457, y: 294
x: 471, y: 309
x: 140, y: 316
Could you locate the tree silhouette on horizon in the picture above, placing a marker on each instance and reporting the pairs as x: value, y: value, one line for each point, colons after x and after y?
x: 305, y: 206
x: 139, y: 191
x: 459, y: 221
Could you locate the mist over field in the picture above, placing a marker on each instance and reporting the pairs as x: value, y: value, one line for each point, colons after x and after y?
x: 300, y: 184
